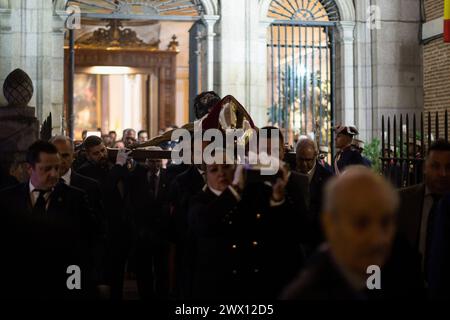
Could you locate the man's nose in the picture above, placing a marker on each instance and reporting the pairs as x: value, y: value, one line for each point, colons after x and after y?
x: 54, y: 172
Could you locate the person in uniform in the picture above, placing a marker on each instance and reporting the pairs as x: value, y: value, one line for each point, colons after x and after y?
x: 347, y: 154
x: 359, y: 145
x: 243, y: 237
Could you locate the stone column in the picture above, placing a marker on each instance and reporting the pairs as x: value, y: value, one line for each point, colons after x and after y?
x: 259, y: 65
x: 363, y: 71
x: 232, y: 50
x: 346, y: 73
x: 210, y: 22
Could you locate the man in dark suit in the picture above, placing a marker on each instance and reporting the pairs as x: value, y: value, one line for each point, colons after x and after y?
x: 46, y: 228
x: 271, y: 139
x: 359, y: 222
x: 182, y: 189
x: 113, y: 184
x: 308, y: 164
x: 149, y: 202
x: 419, y: 203
x: 92, y: 188
x: 439, y: 265
x: 347, y: 154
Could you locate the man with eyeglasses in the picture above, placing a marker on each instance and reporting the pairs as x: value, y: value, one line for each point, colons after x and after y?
x: 309, y: 165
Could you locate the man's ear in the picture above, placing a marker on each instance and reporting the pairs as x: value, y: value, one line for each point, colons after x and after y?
x: 29, y: 168
x: 328, y: 223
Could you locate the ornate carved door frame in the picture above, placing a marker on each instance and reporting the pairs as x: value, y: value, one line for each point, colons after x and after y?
x: 162, y: 63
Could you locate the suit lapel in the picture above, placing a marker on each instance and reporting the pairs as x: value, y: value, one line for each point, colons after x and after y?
x: 56, y: 198
x: 412, y: 213
x: 419, y: 199
x: 26, y: 193
x: 197, y: 177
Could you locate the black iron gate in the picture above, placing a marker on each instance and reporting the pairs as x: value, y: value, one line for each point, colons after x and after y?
x: 301, y: 75
x: 405, y: 141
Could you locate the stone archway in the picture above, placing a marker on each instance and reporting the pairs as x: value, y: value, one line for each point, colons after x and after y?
x: 210, y: 6
x: 345, y: 104
x: 346, y: 9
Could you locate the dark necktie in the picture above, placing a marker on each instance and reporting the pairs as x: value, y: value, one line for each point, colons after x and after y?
x: 153, y: 183
x: 429, y: 236
x: 39, y: 207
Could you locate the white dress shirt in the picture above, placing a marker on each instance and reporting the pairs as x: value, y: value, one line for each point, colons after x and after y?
x: 66, y: 176
x: 34, y: 195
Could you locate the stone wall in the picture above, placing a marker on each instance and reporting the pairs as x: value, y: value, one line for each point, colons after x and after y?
x: 397, y: 60
x: 434, y: 9
x: 31, y: 38
x: 436, y: 73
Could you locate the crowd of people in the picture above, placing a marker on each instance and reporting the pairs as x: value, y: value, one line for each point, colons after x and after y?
x: 209, y: 232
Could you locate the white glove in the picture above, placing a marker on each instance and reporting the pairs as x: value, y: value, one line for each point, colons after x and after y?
x: 122, y: 156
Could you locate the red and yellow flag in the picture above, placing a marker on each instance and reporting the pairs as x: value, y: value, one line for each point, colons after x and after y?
x: 446, y: 20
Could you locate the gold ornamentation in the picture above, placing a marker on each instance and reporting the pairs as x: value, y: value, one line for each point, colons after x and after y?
x: 115, y: 37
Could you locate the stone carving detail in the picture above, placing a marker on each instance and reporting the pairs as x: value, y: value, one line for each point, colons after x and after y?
x: 18, y: 88
x: 173, y: 45
x: 115, y: 36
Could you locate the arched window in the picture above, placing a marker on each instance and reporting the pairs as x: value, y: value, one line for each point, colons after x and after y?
x: 304, y: 10
x: 301, y: 77
x: 143, y: 7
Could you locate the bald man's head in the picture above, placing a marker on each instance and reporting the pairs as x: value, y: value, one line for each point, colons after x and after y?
x: 306, y: 155
x: 359, y: 218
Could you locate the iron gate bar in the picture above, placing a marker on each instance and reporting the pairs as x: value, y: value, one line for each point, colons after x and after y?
x: 422, y: 138
x: 279, y: 77
x: 437, y: 126
x: 328, y: 80
x: 414, y: 150
x: 414, y: 132
x: 389, y: 137
x: 383, y: 147
x: 286, y: 82
x: 395, y: 137
x: 306, y: 82
x: 332, y: 62
x: 300, y: 82
x: 446, y: 125
x: 401, y: 148
x: 313, y: 100
x: 407, y: 147
x: 429, y: 129
x: 320, y: 92
x: 315, y: 5
x: 292, y: 86
x: 273, y: 75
